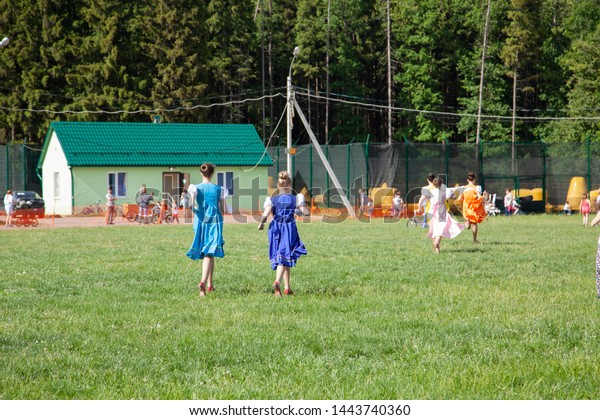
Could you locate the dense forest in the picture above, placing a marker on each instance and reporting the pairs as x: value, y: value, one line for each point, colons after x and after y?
x: 360, y: 62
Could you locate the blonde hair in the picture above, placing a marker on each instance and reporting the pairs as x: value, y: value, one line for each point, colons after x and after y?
x: 284, y: 180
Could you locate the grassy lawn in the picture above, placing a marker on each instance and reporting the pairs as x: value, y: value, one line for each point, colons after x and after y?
x: 113, y: 313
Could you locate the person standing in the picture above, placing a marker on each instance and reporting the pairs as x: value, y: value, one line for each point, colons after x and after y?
x: 9, y: 207
x: 424, y: 205
x: 208, y: 202
x: 365, y: 203
x: 508, y: 202
x: 442, y: 224
x: 285, y: 245
x: 110, y: 208
x: 473, y: 206
x: 144, y: 201
x: 175, y: 210
x: 185, y: 204
x: 585, y: 209
x: 397, y: 205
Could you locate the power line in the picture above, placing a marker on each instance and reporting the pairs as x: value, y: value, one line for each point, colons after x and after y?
x: 141, y: 111
x: 333, y: 97
x: 374, y: 106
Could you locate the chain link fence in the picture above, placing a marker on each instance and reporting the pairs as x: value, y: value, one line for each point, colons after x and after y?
x: 540, y: 173
x: 18, y: 164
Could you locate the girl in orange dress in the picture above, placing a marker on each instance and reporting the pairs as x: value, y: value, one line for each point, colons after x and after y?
x: 473, y: 205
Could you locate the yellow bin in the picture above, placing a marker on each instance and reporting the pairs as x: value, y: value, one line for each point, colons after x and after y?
x: 577, y: 188
x: 523, y: 192
x: 538, y: 194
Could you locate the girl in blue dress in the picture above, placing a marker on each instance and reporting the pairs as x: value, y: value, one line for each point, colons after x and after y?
x: 208, y: 204
x: 285, y: 245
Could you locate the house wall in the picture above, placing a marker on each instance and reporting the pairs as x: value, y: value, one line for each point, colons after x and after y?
x: 90, y: 184
x: 56, y: 180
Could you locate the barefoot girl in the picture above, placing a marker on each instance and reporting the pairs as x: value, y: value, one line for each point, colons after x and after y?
x: 208, y: 203
x: 285, y: 245
x: 585, y: 209
x: 442, y: 224
x: 473, y: 206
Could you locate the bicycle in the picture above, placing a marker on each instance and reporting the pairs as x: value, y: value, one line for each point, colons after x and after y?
x: 417, y: 220
x: 155, y: 215
x: 93, y: 208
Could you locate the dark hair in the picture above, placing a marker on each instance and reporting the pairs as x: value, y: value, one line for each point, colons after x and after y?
x: 207, y: 169
x: 437, y: 181
x: 430, y: 176
x: 470, y: 176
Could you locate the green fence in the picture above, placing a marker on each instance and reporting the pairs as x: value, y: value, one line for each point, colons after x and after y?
x: 18, y: 163
x: 404, y: 166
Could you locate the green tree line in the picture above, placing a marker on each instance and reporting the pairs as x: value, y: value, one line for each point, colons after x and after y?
x: 226, y: 61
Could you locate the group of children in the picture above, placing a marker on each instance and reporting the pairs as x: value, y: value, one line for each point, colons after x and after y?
x: 285, y: 245
x: 442, y: 224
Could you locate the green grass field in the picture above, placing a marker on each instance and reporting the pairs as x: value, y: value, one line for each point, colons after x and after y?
x: 113, y: 313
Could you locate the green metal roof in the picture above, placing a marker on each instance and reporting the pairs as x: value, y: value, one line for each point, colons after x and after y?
x: 166, y: 144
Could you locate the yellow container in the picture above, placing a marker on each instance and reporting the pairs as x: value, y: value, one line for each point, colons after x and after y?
x: 377, y: 195
x: 593, y: 198
x: 523, y: 192
x: 538, y: 194
x: 577, y: 188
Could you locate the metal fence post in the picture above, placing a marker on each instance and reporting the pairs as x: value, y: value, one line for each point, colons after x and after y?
x: 367, y: 159
x: 589, y: 163
x: 406, y: 149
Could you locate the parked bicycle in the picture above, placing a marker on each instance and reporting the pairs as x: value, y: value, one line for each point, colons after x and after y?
x: 417, y: 220
x: 93, y: 209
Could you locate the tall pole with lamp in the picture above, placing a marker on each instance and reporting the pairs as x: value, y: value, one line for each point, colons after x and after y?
x: 290, y: 93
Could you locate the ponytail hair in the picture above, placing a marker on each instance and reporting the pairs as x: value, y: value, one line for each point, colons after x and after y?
x: 437, y: 182
x: 207, y: 169
x: 284, y: 180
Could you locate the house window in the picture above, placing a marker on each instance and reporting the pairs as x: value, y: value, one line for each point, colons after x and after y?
x: 225, y: 180
x: 56, y: 185
x: 118, y: 182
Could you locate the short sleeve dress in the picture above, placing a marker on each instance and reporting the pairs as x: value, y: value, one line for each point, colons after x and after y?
x: 442, y: 223
x: 473, y: 206
x: 285, y: 245
x: 208, y: 221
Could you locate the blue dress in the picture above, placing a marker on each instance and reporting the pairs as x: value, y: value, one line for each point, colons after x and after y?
x: 208, y: 223
x: 285, y: 246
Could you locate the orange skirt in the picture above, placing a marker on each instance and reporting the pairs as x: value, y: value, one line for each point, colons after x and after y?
x: 473, y: 208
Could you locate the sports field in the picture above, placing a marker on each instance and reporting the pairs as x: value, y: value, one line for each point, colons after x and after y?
x: 113, y: 313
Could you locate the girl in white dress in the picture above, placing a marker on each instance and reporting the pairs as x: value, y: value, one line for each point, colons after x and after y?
x: 442, y: 224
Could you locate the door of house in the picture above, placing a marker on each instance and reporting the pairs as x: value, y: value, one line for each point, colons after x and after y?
x: 171, y: 184
x: 174, y: 183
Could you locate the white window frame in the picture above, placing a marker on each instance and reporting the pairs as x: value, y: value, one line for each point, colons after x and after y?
x: 222, y: 181
x: 116, y: 191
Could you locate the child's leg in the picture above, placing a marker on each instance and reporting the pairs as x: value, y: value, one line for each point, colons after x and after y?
x: 474, y: 227
x: 207, y: 272
x: 280, y: 273
x: 436, y: 244
x: 286, y: 277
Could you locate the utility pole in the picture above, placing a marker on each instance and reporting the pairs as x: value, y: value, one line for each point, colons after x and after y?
x: 479, y: 105
x: 389, y: 69
x: 290, y: 92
